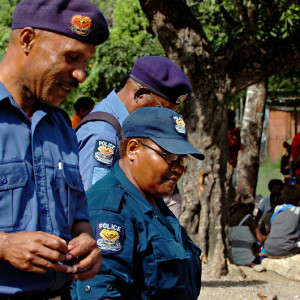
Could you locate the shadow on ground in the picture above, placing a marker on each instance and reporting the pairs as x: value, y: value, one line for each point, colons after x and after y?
x: 230, y: 283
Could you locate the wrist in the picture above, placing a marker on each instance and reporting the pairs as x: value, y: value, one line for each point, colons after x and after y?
x: 3, y: 238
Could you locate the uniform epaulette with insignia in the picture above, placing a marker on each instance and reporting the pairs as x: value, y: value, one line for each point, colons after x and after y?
x: 113, y: 199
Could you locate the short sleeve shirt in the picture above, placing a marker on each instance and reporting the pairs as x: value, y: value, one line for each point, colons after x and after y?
x: 99, y: 142
x: 40, y: 184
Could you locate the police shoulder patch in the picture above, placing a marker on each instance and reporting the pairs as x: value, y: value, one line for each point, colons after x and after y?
x: 110, y: 237
x: 104, y: 152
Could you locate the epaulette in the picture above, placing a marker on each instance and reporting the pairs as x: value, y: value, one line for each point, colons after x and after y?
x: 114, y: 198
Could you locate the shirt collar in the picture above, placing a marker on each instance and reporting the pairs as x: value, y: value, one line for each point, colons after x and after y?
x: 131, y: 189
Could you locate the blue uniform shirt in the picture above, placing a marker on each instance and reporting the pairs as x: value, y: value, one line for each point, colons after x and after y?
x: 99, y: 143
x: 146, y: 253
x: 40, y: 184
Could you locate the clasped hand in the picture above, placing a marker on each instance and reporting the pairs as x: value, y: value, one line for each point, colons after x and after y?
x: 39, y: 251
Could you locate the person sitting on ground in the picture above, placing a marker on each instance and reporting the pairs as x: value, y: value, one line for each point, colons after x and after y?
x: 147, y: 254
x: 265, y: 204
x: 83, y: 106
x: 243, y: 231
x: 284, y: 237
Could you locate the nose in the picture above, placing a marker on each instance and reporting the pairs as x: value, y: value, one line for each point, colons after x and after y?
x: 175, y: 166
x: 79, y: 73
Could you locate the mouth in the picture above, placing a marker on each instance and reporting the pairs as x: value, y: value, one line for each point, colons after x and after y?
x: 173, y: 179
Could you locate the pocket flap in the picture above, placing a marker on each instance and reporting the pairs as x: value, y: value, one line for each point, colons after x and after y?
x: 72, y: 176
x: 13, y: 175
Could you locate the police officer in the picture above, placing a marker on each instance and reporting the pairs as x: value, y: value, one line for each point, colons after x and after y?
x: 147, y: 254
x: 45, y: 235
x: 153, y: 81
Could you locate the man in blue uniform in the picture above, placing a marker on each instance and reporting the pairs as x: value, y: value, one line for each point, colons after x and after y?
x: 45, y: 235
x: 153, y: 81
x: 146, y: 253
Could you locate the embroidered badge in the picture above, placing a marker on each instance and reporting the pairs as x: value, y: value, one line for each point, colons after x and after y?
x: 179, y: 125
x: 104, y: 152
x: 110, y: 237
x: 81, y: 25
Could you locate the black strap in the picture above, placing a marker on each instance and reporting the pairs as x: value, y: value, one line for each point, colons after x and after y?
x: 102, y: 116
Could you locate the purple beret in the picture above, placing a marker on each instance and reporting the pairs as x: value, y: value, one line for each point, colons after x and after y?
x: 163, y: 77
x: 78, y: 19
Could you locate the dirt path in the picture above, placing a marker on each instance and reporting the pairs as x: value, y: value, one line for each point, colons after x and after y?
x: 246, y: 284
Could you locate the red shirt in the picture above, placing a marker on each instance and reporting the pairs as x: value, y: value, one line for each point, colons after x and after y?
x: 296, y: 151
x: 234, y: 144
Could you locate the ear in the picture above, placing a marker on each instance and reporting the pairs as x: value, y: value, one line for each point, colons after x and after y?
x: 140, y: 93
x: 133, y: 148
x: 27, y: 38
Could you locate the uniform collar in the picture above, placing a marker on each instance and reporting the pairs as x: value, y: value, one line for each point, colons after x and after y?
x: 131, y: 189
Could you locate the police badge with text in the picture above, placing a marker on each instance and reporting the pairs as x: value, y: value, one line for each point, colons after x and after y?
x: 110, y: 237
x: 104, y: 152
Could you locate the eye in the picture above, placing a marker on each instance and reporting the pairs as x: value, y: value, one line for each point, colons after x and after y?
x: 71, y: 58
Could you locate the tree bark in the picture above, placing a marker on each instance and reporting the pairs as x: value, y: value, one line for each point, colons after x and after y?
x: 215, y: 76
x: 252, y: 127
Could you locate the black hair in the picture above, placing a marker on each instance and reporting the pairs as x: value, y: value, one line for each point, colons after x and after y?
x: 274, y: 182
x: 83, y: 102
x: 291, y: 194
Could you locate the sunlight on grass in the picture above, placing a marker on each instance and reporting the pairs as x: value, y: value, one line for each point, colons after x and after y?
x: 267, y: 171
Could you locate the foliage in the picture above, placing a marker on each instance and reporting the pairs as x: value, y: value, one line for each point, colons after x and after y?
x: 233, y: 23
x: 130, y: 38
x: 6, y: 9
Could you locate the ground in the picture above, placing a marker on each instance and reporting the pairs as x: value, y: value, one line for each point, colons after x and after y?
x: 243, y: 283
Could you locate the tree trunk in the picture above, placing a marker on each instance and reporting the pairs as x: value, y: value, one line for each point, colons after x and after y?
x: 252, y: 127
x: 216, y: 76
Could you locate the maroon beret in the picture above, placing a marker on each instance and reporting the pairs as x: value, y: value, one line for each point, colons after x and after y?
x: 78, y: 19
x: 163, y: 77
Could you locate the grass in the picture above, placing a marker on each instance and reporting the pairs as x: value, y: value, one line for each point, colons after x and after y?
x: 267, y: 170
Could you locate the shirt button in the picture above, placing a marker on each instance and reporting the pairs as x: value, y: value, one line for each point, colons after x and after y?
x: 87, y: 289
x: 44, y: 210
x: 110, y: 288
x: 3, y: 180
x: 39, y: 169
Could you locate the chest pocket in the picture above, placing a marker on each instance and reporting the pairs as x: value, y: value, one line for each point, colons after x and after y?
x: 68, y: 187
x: 15, y: 211
x: 167, y: 270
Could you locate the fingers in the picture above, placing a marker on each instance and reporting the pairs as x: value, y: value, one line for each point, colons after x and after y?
x: 35, y: 251
x: 90, y: 258
x: 89, y: 267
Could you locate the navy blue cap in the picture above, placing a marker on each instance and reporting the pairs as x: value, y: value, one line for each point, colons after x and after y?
x: 163, y: 77
x: 78, y: 19
x: 163, y: 126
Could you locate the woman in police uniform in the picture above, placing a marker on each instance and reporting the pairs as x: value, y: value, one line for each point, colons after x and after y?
x: 147, y: 254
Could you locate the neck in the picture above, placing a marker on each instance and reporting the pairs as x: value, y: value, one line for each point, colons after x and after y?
x: 124, y: 165
x: 10, y: 79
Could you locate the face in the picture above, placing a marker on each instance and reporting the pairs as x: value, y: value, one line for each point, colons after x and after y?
x: 152, y: 175
x: 54, y: 66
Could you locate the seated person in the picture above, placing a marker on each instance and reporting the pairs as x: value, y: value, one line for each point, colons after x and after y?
x: 146, y: 253
x: 267, y: 203
x: 284, y: 237
x: 243, y: 232
x: 83, y: 106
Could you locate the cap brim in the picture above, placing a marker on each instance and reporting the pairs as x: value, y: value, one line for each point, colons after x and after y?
x: 178, y: 146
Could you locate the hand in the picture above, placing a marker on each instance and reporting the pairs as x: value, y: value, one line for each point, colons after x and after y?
x: 34, y: 251
x: 85, y: 248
